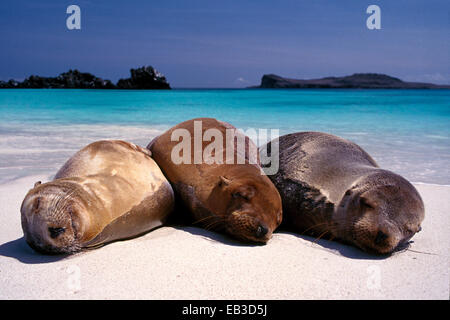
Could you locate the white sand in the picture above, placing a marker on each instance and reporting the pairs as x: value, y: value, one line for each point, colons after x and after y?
x: 190, y: 263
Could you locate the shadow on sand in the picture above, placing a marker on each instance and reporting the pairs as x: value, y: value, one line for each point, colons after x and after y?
x: 331, y: 246
x: 19, y: 249
x: 214, y: 236
x: 337, y: 248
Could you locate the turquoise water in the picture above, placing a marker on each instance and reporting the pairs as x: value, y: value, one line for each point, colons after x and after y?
x: 407, y: 131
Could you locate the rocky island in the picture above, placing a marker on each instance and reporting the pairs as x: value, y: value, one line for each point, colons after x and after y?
x: 141, y: 78
x: 144, y: 78
x: 355, y: 81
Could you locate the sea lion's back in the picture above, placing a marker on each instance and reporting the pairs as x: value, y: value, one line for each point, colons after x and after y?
x: 319, y: 160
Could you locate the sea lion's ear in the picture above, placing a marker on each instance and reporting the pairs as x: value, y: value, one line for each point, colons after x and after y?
x: 224, y: 181
x: 36, y: 184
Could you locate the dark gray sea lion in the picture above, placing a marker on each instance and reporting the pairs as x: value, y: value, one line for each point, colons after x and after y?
x: 107, y: 191
x: 330, y: 187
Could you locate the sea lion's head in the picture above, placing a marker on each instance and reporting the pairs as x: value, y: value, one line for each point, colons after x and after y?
x: 383, y: 212
x: 249, y: 205
x: 53, y: 217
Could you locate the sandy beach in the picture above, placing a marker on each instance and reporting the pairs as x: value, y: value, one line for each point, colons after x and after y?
x: 191, y: 263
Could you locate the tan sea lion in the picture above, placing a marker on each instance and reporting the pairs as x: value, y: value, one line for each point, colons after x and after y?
x: 224, y: 187
x: 331, y: 187
x: 107, y: 191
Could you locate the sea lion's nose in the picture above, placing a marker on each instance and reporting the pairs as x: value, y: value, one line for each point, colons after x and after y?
x: 380, y: 237
x: 261, y: 231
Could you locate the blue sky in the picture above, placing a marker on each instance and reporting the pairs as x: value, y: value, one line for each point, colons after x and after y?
x: 210, y: 43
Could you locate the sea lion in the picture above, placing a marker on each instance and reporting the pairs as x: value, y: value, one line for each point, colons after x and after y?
x: 225, y: 189
x: 331, y: 186
x: 107, y: 191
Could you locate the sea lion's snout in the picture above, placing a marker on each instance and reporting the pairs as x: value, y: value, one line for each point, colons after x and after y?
x: 380, y: 238
x: 248, y: 227
x: 52, y: 237
x: 376, y: 242
x: 261, y: 231
x: 384, y: 239
x: 385, y: 242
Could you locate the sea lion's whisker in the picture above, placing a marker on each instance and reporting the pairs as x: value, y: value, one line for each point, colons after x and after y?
x: 203, y: 219
x: 321, y: 235
x: 314, y: 226
x: 415, y: 251
x: 212, y: 224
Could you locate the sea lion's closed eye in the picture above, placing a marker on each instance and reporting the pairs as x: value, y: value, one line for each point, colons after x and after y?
x: 237, y: 195
x: 365, y: 203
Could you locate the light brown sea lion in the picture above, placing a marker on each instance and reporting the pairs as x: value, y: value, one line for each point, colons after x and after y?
x: 331, y: 187
x: 231, y: 194
x: 107, y: 191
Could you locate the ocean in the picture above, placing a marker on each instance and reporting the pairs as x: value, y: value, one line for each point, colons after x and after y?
x: 406, y: 131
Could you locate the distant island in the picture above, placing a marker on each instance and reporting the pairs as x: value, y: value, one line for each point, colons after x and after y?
x: 141, y: 78
x: 356, y: 81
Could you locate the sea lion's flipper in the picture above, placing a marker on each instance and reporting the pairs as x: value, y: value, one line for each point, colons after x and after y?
x: 149, y: 214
